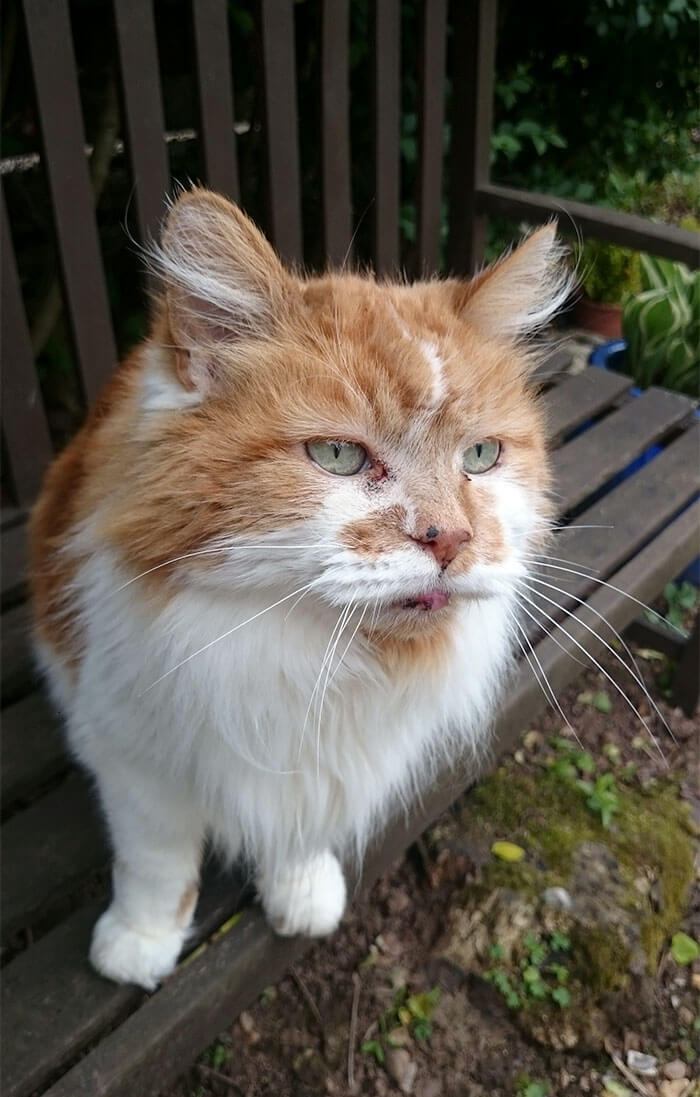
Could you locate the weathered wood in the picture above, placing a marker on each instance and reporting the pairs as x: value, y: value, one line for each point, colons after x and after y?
x: 335, y: 132
x: 473, y: 66
x: 626, y: 229
x: 554, y: 367
x: 387, y: 93
x: 686, y: 684
x: 24, y: 427
x: 55, y: 79
x: 580, y: 398
x: 173, y: 1025
x: 215, y: 88
x: 32, y: 747
x: 143, y: 108
x: 65, y: 835
x: 594, y: 457
x: 432, y: 118
x: 279, y: 77
x: 54, y: 1003
x: 18, y: 675
x: 14, y: 559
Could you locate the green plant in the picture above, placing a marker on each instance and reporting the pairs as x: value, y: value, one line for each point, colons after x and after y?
x: 540, y: 976
x: 412, y: 1012
x: 662, y: 325
x: 609, y: 273
x: 602, y: 797
x: 680, y: 599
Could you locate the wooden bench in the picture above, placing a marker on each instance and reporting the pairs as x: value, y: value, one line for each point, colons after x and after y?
x: 67, y: 1032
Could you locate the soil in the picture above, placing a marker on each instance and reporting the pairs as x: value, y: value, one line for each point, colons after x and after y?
x: 374, y: 1010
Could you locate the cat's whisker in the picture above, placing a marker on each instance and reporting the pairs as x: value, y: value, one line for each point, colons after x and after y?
x: 543, y: 556
x: 603, y: 671
x: 634, y: 670
x: 229, y: 632
x: 546, y: 688
x: 322, y: 697
x: 553, y: 638
x: 610, y: 586
x: 338, y: 625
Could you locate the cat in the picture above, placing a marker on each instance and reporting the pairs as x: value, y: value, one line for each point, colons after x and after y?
x: 274, y: 574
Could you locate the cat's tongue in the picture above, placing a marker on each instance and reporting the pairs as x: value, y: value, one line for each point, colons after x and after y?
x: 432, y: 599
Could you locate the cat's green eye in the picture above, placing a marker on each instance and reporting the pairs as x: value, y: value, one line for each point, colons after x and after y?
x: 340, y: 458
x: 481, y: 457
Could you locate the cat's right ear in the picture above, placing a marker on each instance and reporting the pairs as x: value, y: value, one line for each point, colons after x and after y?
x: 222, y: 282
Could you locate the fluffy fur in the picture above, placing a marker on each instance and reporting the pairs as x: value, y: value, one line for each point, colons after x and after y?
x: 247, y: 647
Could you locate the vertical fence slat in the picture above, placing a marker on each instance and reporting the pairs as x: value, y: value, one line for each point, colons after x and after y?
x: 143, y: 107
x: 387, y: 83
x: 23, y: 421
x: 279, y: 64
x: 335, y: 131
x: 431, y: 132
x: 212, y: 50
x: 473, y: 65
x: 55, y: 80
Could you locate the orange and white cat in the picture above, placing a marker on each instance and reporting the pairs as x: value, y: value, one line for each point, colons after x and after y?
x: 274, y: 574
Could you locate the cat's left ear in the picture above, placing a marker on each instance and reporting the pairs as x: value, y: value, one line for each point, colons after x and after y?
x: 520, y: 293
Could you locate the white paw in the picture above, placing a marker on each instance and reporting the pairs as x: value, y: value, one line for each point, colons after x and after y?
x: 127, y: 956
x: 308, y: 899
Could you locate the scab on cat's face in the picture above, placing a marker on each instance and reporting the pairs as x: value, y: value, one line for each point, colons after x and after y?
x: 275, y: 575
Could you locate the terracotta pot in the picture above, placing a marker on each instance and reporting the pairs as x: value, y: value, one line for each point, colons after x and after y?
x: 605, y: 320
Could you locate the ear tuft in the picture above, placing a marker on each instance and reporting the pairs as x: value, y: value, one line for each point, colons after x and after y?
x: 523, y: 291
x: 222, y: 280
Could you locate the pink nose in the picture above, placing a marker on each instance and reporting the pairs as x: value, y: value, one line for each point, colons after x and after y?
x: 444, y: 544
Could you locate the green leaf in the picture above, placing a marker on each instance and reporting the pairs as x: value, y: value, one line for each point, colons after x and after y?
x: 373, y: 1047
x: 561, y: 996
x: 684, y: 949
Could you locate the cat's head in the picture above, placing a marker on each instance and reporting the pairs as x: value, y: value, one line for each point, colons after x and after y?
x: 379, y: 443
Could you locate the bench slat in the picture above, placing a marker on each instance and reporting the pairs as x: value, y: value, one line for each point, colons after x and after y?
x: 54, y: 1004
x: 580, y: 398
x: 335, y: 131
x: 54, y: 70
x: 432, y: 119
x: 588, y: 461
x: 47, y: 850
x: 387, y: 77
x: 216, y: 107
x: 174, y: 1025
x: 279, y: 65
x: 24, y: 424
x: 14, y: 559
x: 143, y: 105
x: 32, y: 747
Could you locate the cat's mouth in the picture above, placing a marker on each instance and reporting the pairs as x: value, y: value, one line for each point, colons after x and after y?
x: 428, y: 602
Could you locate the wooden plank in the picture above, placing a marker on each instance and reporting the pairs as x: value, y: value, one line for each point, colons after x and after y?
x: 65, y: 835
x: 153, y: 1045
x: 14, y: 559
x: 432, y: 119
x: 279, y: 77
x: 387, y: 94
x: 54, y: 1004
x: 580, y: 398
x: 54, y: 69
x: 18, y: 676
x: 216, y: 107
x: 554, y: 367
x: 143, y: 109
x: 12, y: 516
x: 473, y: 67
x: 626, y: 229
x: 594, y: 457
x: 24, y: 426
x: 335, y: 131
x: 32, y: 747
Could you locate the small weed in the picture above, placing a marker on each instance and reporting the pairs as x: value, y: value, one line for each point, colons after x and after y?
x: 412, y: 1012
x: 597, y: 699
x: 602, y: 797
x: 577, y: 766
x: 216, y: 1056
x: 680, y: 599
x: 541, y: 974
x: 528, y: 1088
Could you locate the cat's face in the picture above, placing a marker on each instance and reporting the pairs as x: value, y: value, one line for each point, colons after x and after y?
x: 377, y: 444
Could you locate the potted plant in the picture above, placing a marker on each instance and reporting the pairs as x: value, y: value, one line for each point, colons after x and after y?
x: 661, y: 325
x: 608, y: 275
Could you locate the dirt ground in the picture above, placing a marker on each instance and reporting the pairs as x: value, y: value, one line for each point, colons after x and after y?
x: 373, y: 1011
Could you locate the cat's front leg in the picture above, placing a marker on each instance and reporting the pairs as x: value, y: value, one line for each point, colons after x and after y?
x: 305, y: 896
x: 157, y: 841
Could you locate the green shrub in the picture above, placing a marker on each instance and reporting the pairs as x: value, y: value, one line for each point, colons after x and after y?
x: 609, y: 272
x: 662, y: 326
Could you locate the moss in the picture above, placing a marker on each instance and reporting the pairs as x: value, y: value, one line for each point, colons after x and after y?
x: 546, y: 814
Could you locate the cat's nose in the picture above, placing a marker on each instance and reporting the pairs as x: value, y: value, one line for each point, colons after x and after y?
x: 444, y: 544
